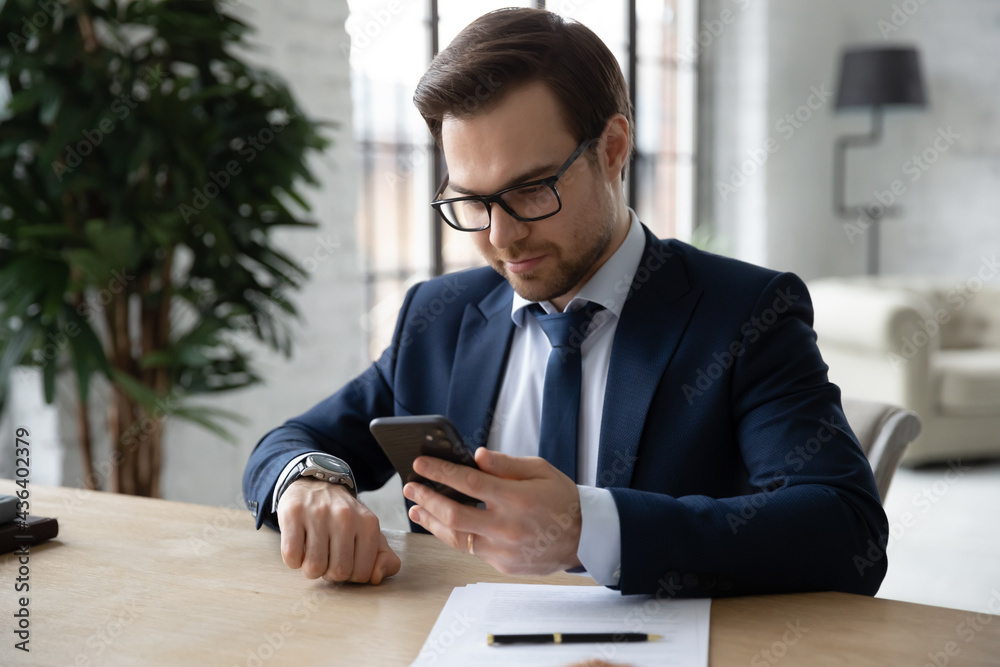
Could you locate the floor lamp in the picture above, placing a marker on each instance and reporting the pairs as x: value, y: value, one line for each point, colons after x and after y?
x: 875, y: 78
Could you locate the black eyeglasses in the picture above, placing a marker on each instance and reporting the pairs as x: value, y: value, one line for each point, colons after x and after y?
x: 527, y: 202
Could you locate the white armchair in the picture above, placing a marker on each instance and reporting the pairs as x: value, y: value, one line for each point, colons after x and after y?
x: 884, y: 431
x: 926, y: 345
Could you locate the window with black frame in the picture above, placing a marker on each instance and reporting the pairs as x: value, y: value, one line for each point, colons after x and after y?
x: 401, y: 238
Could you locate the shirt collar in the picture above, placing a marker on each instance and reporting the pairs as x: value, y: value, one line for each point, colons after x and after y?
x: 605, y: 286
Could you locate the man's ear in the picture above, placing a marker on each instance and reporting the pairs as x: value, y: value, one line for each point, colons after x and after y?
x: 613, y: 149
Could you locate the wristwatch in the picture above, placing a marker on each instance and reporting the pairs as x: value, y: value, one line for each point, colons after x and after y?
x: 321, y: 466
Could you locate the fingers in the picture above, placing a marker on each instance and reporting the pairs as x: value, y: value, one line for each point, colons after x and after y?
x: 508, y: 467
x: 528, y: 503
x: 512, y: 467
x: 340, y: 550
x: 485, y: 483
x: 387, y: 563
x: 365, y: 551
x: 444, y: 532
x: 328, y: 533
x: 317, y: 552
x: 445, y: 511
x: 468, y: 480
x: 293, y: 541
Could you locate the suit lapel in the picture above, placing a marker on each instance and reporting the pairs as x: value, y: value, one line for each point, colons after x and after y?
x: 483, y: 345
x: 652, y: 323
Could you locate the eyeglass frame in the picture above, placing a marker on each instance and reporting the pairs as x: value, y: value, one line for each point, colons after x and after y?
x: 497, y: 197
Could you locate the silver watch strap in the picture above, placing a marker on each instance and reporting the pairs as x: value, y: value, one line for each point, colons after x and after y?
x: 280, y: 485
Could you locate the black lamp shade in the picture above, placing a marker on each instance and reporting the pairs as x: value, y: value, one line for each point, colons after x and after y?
x: 879, y: 77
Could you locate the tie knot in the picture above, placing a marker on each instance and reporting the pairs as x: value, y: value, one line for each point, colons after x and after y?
x: 567, y: 329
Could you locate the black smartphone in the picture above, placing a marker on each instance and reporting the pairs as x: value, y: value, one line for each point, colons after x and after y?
x: 403, y: 439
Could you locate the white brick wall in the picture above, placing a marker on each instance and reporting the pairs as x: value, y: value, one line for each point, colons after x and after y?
x: 301, y: 41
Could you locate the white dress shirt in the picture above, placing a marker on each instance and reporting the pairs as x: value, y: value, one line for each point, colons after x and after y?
x: 518, y: 414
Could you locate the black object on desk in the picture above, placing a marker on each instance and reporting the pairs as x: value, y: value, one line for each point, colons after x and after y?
x: 8, y: 509
x: 34, y: 530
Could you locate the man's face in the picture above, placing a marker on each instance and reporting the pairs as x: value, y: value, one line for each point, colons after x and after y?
x: 525, y: 139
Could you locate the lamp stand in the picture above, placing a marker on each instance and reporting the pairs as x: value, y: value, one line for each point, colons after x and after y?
x: 872, y: 211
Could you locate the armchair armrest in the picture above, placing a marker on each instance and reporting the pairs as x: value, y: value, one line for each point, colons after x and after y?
x: 877, y: 341
x: 871, y: 318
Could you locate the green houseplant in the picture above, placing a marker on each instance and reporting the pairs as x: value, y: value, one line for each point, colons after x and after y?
x: 143, y: 168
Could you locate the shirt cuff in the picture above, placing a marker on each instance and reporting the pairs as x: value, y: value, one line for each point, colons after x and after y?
x: 600, y: 549
x: 281, y: 479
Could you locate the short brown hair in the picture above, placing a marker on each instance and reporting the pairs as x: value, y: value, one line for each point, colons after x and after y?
x: 511, y: 47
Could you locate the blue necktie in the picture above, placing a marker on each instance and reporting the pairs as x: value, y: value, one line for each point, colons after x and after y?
x: 557, y: 441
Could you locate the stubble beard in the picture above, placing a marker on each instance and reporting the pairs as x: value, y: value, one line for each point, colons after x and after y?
x: 569, y: 272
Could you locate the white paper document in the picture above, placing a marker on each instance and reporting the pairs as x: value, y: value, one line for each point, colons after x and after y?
x: 475, y: 611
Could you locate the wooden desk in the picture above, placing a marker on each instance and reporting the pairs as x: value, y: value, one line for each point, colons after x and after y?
x: 133, y: 581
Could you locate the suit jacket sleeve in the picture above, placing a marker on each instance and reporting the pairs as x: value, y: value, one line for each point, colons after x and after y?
x: 337, y: 425
x: 811, y: 518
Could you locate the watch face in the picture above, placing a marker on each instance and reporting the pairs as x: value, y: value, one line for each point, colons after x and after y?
x: 328, y: 462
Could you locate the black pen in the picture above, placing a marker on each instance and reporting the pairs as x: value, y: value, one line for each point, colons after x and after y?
x: 572, y: 638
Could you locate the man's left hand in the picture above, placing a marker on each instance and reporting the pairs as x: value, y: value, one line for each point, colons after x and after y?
x: 531, y: 523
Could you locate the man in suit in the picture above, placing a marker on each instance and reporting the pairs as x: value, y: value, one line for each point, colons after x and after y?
x: 681, y: 438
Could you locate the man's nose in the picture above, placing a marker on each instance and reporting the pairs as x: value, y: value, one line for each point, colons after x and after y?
x: 505, y: 229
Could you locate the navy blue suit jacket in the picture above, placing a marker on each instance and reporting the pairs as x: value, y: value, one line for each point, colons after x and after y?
x: 722, y: 441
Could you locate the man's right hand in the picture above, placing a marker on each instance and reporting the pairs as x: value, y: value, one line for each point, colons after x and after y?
x: 329, y: 533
